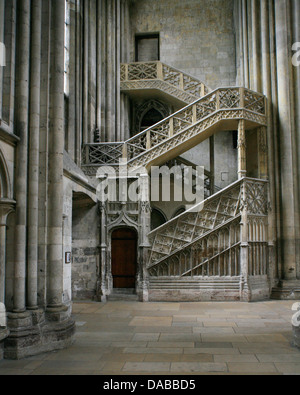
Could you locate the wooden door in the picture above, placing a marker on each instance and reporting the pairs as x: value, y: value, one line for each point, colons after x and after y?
x: 124, y: 258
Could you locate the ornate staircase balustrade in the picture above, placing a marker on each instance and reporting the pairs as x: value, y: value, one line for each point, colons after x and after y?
x: 157, y: 75
x: 207, y: 242
x: 181, y: 131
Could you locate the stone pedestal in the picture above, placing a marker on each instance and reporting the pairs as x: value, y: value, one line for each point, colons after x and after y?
x: 36, y: 332
x: 287, y: 290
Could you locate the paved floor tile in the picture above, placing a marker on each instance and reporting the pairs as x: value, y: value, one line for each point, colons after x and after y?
x: 214, y: 330
x: 165, y: 344
x: 224, y: 338
x: 235, y: 358
x: 210, y: 338
x: 179, y: 337
x: 212, y: 351
x: 139, y: 337
x: 163, y: 358
x: 198, y: 367
x: 213, y: 345
x: 147, y: 367
x: 252, y: 367
x: 281, y: 358
x: 289, y: 368
x: 151, y: 321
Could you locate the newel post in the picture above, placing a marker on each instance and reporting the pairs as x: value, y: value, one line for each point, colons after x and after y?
x: 242, y: 150
x: 245, y: 293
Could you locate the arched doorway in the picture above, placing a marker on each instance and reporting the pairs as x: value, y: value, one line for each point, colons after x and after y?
x: 124, y: 258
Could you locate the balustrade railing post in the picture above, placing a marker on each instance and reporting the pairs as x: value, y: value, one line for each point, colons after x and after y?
x: 181, y: 81
x: 194, y: 116
x: 217, y: 100
x: 126, y: 72
x: 148, y: 140
x: 242, y: 97
x: 125, y: 152
x: 87, y: 154
x: 242, y: 163
x: 171, y: 127
x: 160, y: 73
x: 202, y: 90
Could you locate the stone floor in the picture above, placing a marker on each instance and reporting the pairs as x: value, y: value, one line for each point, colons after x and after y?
x: 131, y: 338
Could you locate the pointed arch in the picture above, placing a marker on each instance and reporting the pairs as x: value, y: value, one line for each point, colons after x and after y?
x: 5, y: 186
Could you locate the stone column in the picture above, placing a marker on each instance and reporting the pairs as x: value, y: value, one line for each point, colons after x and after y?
x: 287, y: 141
x: 92, y: 70
x: 2, y: 13
x: 245, y: 43
x: 56, y: 149
x: 296, y: 38
x: 33, y: 172
x: 242, y: 172
x: 6, y: 207
x: 275, y: 133
x: 118, y: 69
x: 255, y: 47
x: 239, y: 43
x: 103, y: 60
x: 267, y: 91
x: 85, y: 68
x: 110, y: 72
x: 99, y: 65
x: 21, y: 127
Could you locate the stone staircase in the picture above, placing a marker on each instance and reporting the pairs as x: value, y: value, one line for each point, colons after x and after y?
x: 123, y: 294
x: 218, y: 249
x: 221, y: 109
x: 200, y: 251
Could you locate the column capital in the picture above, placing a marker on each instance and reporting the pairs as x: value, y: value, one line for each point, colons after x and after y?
x: 7, y: 206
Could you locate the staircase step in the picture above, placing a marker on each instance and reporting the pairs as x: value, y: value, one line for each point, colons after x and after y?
x: 119, y: 294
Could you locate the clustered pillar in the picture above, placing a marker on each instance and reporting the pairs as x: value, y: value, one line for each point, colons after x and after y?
x: 56, y: 147
x: 21, y: 116
x: 33, y: 168
x: 266, y: 32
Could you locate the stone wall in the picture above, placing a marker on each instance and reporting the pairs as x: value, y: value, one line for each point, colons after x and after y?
x: 196, y: 36
x: 85, y: 252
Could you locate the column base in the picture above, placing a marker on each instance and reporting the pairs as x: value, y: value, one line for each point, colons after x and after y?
x: 34, y: 333
x: 3, y: 335
x: 57, y: 313
x: 286, y: 290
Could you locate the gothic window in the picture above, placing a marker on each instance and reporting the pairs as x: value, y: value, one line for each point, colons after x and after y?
x: 151, y: 117
x: 150, y: 113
